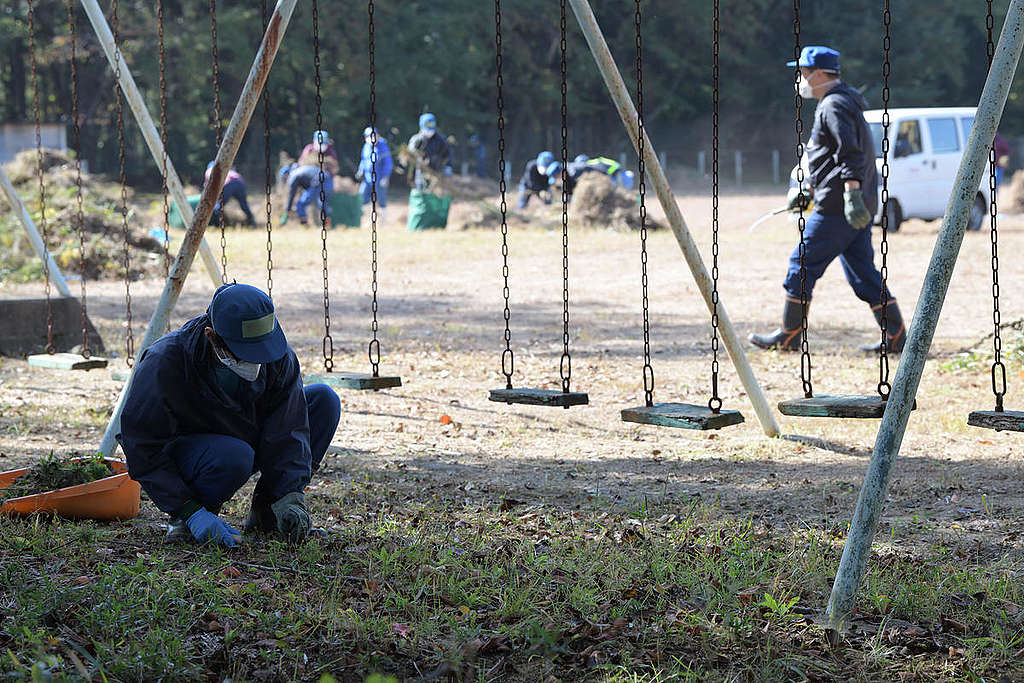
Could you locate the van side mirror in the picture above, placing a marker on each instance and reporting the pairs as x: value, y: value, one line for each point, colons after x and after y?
x: 902, y: 148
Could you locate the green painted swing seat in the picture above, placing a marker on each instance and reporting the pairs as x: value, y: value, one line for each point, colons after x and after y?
x: 554, y: 398
x: 66, y: 361
x: 682, y: 415
x: 355, y: 380
x: 838, y: 405
x: 1006, y: 420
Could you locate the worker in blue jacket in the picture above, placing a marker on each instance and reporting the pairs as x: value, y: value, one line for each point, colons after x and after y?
x: 842, y: 181
x: 217, y: 401
x: 538, y: 178
x: 383, y: 163
x: 307, y: 179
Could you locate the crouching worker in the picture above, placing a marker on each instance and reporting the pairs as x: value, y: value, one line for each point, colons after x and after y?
x: 213, y: 403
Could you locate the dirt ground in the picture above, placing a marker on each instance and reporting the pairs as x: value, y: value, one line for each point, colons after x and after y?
x: 441, y: 330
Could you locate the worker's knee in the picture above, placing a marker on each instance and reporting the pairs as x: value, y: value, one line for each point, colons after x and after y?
x: 324, y: 408
x: 213, y: 465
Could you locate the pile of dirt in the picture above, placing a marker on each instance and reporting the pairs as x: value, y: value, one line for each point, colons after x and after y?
x: 597, y: 203
x: 1011, y: 195
x: 101, y: 211
x: 53, y: 472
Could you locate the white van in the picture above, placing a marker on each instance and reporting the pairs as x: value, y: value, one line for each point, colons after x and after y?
x: 925, y: 146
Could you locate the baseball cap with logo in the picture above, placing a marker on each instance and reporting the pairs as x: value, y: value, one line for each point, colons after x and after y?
x: 243, y: 316
x: 818, y: 57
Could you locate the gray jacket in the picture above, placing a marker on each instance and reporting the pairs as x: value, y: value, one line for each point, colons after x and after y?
x: 841, y: 149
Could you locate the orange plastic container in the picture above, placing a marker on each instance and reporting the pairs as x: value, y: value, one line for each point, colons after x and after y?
x: 112, y: 498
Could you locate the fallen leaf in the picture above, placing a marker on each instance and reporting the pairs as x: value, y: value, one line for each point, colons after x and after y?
x: 231, y: 572
x: 446, y: 419
x: 82, y: 580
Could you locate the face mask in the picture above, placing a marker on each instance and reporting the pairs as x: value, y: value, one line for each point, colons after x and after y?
x: 429, y: 132
x: 247, y: 371
x: 806, y: 90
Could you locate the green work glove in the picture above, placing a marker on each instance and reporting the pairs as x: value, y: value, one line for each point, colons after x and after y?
x: 798, y: 200
x: 284, y: 219
x: 857, y: 214
x: 293, y: 519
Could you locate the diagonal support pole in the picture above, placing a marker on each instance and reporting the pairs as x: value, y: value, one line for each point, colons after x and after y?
x: 33, y: 234
x: 853, y: 563
x: 624, y: 103
x: 148, y: 128
x: 258, y: 74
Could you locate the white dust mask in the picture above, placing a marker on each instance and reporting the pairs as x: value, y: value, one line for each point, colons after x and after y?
x: 247, y: 371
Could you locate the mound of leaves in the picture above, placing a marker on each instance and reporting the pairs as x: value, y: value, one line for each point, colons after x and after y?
x: 597, y: 203
x: 103, y: 256
x: 54, y: 472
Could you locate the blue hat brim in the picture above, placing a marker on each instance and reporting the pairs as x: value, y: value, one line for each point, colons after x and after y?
x: 266, y: 349
x: 793, y: 63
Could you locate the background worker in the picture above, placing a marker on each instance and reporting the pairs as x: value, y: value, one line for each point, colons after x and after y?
x: 310, y: 155
x: 430, y: 152
x: 307, y: 179
x: 384, y: 166
x: 1002, y: 149
x: 216, y: 401
x: 843, y: 183
x: 477, y: 156
x: 538, y: 177
x: 234, y: 188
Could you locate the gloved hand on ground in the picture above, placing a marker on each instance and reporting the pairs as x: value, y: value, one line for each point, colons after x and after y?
x: 857, y: 213
x: 206, y: 526
x: 293, y: 520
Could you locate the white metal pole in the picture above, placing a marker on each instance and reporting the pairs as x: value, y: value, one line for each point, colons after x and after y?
x: 149, y: 129
x: 258, y: 74
x: 33, y: 235
x: 624, y: 103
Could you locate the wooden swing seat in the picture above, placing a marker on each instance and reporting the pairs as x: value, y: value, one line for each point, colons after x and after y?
x: 66, y: 361
x: 356, y: 380
x: 682, y: 415
x: 554, y: 398
x: 838, y: 405
x: 1007, y: 420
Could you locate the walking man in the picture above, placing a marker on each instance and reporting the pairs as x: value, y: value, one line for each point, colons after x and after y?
x: 843, y: 184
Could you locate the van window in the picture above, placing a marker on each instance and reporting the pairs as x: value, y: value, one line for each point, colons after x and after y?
x: 876, y: 137
x: 908, y: 138
x: 967, y: 123
x: 943, y: 132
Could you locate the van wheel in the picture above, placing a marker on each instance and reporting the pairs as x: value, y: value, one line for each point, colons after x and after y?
x: 895, y: 214
x: 978, y: 212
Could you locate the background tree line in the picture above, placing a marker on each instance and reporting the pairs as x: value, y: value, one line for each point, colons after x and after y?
x: 439, y: 56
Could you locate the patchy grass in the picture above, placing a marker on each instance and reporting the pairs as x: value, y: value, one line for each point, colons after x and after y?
x: 497, y: 590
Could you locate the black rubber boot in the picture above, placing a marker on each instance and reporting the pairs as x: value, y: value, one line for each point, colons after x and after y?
x: 895, y: 330
x: 261, y: 517
x: 787, y: 337
x: 178, y: 531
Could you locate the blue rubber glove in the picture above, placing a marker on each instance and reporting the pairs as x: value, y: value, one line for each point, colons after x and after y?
x: 206, y: 526
x: 447, y: 170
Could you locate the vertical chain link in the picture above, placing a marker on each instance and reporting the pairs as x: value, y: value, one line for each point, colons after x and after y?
x: 565, y: 365
x: 374, y: 347
x: 163, y: 142
x: 508, y: 360
x: 79, y: 218
x: 998, y: 369
x: 328, y: 344
x: 884, y: 387
x: 715, y: 402
x: 648, y: 369
x: 219, y: 127
x: 268, y: 173
x: 129, y: 342
x: 50, y: 348
x: 805, y: 351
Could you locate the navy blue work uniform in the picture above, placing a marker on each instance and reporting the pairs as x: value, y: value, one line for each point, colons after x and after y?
x: 840, y: 149
x: 192, y: 430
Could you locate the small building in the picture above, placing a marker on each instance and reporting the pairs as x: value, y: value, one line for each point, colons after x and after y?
x: 15, y: 137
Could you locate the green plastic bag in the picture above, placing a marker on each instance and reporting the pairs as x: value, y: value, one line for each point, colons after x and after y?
x: 346, y: 209
x: 174, y: 216
x: 427, y: 210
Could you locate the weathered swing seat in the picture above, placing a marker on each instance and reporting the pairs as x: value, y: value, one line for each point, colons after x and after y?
x: 682, y: 415
x: 356, y: 380
x: 120, y: 374
x: 839, y: 405
x: 1000, y: 421
x: 66, y: 361
x: 554, y: 398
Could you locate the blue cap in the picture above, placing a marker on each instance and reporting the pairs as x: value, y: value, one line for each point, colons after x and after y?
x: 370, y: 130
x: 545, y: 159
x: 210, y: 165
x: 428, y: 122
x: 320, y: 136
x: 243, y: 316
x: 818, y: 57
